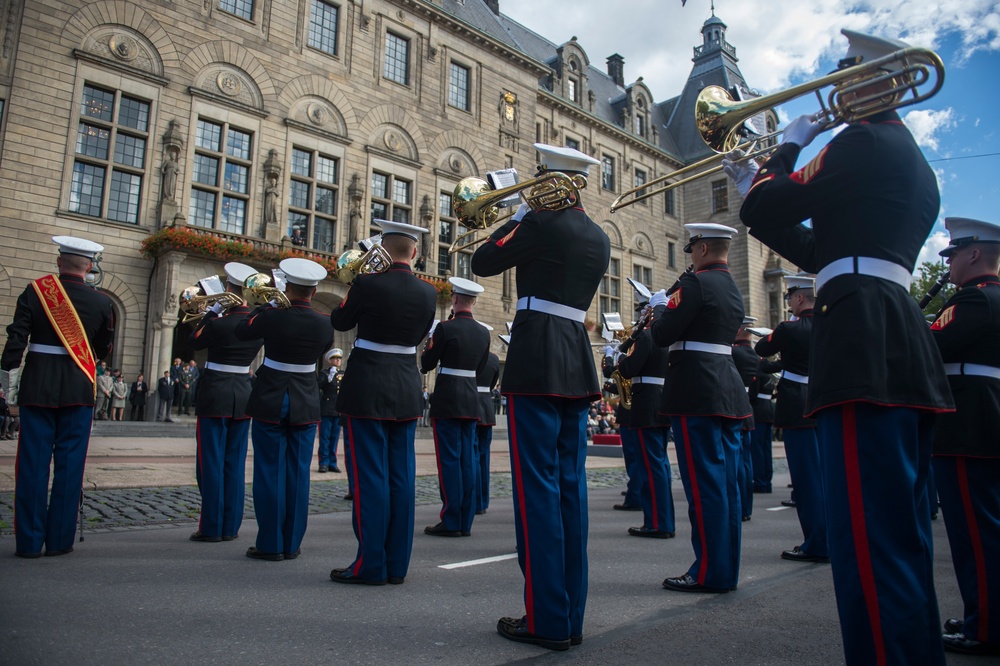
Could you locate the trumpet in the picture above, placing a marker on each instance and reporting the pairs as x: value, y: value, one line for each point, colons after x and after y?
x: 721, y: 119
x: 257, y: 291
x: 477, y: 204
x: 194, y: 306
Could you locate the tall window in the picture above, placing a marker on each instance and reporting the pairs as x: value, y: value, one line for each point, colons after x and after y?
x: 397, y: 59
x: 110, y: 163
x: 571, y: 89
x: 220, y: 187
x: 323, y: 26
x: 611, y: 287
x: 392, y: 198
x: 447, y: 225
x: 312, y: 197
x: 643, y: 274
x: 608, y: 172
x: 671, y: 255
x: 241, y: 8
x: 640, y: 180
x: 669, y: 203
x: 720, y: 196
x: 572, y: 143
x: 458, y: 87
x: 640, y: 116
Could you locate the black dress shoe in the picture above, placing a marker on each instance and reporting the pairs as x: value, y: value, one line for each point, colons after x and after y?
x: 57, y: 553
x: 198, y: 536
x: 396, y: 580
x: 953, y: 626
x: 762, y: 491
x: 255, y: 554
x: 626, y: 507
x: 651, y: 533
x: 576, y: 640
x: 959, y: 643
x: 789, y: 502
x: 335, y: 469
x: 230, y: 537
x: 798, y: 555
x: 439, y: 530
x: 28, y: 556
x: 345, y: 576
x: 517, y: 630
x: 481, y: 513
x: 323, y: 469
x: 349, y: 496
x: 688, y: 584
x: 292, y: 556
x: 746, y: 519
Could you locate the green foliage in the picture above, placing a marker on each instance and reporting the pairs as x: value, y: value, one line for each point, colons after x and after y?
x: 927, y: 275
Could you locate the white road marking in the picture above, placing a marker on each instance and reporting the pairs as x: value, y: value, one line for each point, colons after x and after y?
x: 779, y: 508
x: 472, y: 563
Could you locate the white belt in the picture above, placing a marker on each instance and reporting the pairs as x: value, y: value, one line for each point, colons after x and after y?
x: 659, y: 381
x: 747, y: 389
x: 290, y: 367
x: 484, y: 389
x: 972, y: 369
x: 47, y: 349
x: 870, y: 266
x: 548, y: 307
x: 222, y: 367
x: 764, y: 396
x: 792, y: 377
x: 455, y: 372
x: 707, y: 347
x: 387, y: 349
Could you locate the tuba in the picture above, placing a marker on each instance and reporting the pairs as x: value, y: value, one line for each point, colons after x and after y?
x: 194, y: 305
x: 257, y: 291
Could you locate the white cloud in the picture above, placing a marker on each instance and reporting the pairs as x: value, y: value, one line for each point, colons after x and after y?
x: 929, y: 252
x: 925, y: 124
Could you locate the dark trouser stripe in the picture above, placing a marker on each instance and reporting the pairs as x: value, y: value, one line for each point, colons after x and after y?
x: 696, y: 498
x: 529, y: 597
x: 976, y: 541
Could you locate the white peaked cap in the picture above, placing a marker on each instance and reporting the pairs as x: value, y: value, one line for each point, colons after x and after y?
x: 465, y: 287
x: 965, y: 230
x: 793, y: 282
x: 78, y: 246
x: 707, y: 230
x: 303, y: 272
x: 401, y: 228
x: 870, y: 47
x: 237, y: 273
x: 748, y: 321
x: 336, y: 351
x: 561, y: 158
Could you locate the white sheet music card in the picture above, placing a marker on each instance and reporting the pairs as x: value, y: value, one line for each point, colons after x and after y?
x: 501, y: 179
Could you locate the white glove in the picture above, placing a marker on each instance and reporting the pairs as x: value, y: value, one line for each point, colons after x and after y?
x: 609, y: 351
x: 802, y: 130
x: 741, y: 173
x: 521, y: 211
x: 659, y: 298
x: 216, y: 308
x: 273, y: 303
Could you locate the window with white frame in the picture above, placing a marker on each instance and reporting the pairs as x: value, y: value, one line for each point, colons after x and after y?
x: 572, y: 89
x: 608, y: 172
x: 458, y: 86
x: 720, y: 196
x: 241, y: 8
x: 220, y: 181
x: 640, y: 180
x: 109, y: 165
x: 323, y: 19
x: 611, y: 287
x: 397, y: 58
x: 312, y: 197
x: 392, y: 198
x: 447, y: 230
x: 644, y: 275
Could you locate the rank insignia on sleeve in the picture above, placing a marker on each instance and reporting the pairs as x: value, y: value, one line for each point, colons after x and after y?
x: 675, y: 299
x: 946, y: 317
x: 502, y: 241
x: 811, y: 170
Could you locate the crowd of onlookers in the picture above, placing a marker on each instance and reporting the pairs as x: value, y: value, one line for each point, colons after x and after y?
x: 176, y: 389
x: 601, y: 419
x: 9, y: 424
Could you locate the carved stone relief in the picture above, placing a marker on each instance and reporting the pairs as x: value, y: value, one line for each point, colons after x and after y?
x: 121, y: 44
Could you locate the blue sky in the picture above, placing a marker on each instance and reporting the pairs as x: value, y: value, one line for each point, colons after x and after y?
x: 785, y: 42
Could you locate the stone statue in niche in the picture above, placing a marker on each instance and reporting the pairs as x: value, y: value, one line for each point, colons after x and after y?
x: 168, y: 182
x: 271, y: 196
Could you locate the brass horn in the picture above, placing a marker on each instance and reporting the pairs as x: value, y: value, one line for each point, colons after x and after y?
x: 721, y: 120
x: 477, y: 204
x: 353, y: 263
x: 257, y: 291
x: 195, y: 305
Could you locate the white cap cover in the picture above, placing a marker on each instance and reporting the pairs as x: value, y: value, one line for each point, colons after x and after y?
x: 965, y: 230
x: 237, y: 273
x: 78, y: 246
x: 793, y: 282
x: 465, y: 287
x: 707, y: 230
x: 561, y: 158
x: 303, y: 272
x: 336, y: 351
x: 408, y: 230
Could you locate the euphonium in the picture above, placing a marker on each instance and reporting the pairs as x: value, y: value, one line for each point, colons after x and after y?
x: 257, y: 290
x: 195, y: 305
x: 353, y: 263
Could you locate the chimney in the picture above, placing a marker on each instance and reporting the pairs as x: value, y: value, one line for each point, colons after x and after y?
x: 616, y: 69
x: 494, y: 6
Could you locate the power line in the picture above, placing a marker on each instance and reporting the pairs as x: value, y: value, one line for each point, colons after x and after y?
x: 963, y: 157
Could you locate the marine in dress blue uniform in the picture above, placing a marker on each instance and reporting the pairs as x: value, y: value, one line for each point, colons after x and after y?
x: 875, y: 376
x: 284, y: 404
x: 706, y: 400
x: 549, y: 381
x: 329, y: 427
x: 381, y: 400
x: 791, y: 339
x: 486, y: 381
x: 461, y: 345
x: 629, y: 439
x: 747, y: 362
x: 966, y: 445
x: 763, y: 418
x: 56, y: 396
x: 223, y: 428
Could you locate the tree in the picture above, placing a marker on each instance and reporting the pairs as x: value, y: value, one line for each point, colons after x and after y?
x: 927, y: 276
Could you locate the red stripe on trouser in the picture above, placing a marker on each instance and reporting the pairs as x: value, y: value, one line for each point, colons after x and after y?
x: 357, y: 497
x: 696, y: 498
x: 515, y: 458
x: 649, y: 474
x: 977, y: 550
x: 437, y: 457
x: 855, y: 500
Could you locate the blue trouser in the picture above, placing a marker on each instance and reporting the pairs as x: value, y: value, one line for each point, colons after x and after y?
x: 633, y: 466
x: 805, y: 464
x: 970, y: 499
x: 329, y: 436
x: 932, y: 492
x: 548, y: 449
x: 383, y: 464
x: 657, y: 502
x: 708, y: 452
x: 221, y: 474
x: 59, y: 434
x: 881, y: 547
x: 456, y: 471
x: 282, y: 453
x: 745, y: 476
x: 760, y: 450
x: 484, y: 439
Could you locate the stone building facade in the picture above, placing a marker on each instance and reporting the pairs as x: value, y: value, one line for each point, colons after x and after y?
x: 182, y: 134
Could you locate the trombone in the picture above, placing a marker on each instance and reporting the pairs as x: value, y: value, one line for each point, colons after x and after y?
x: 720, y: 119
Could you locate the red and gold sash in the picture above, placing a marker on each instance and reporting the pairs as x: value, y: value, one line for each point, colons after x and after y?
x: 66, y: 322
